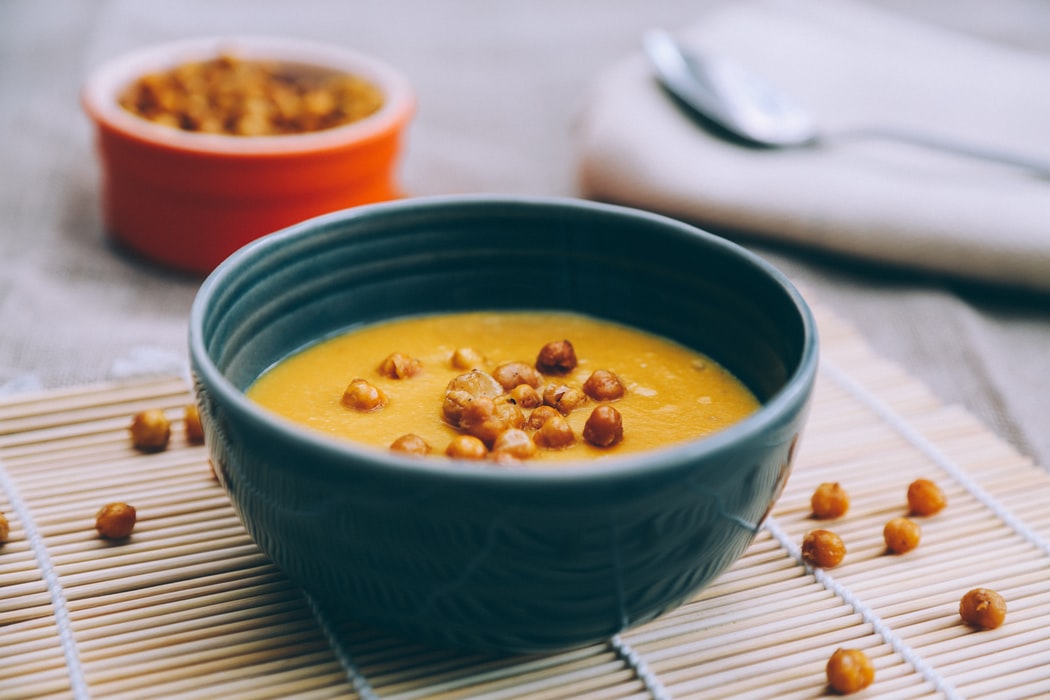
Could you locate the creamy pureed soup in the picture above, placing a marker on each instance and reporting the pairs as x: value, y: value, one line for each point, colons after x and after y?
x: 455, y: 381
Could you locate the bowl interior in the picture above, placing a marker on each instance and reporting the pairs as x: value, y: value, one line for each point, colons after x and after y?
x: 450, y: 254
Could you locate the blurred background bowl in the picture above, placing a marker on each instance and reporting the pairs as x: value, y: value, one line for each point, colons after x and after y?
x: 500, y: 558
x: 188, y: 199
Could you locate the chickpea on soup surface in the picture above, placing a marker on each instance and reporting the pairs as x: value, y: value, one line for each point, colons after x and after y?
x: 505, y: 386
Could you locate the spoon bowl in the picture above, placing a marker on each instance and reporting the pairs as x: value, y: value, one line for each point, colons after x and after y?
x: 728, y: 96
x: 743, y: 107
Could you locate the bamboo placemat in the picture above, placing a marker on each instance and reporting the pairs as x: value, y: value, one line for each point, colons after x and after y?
x: 188, y: 607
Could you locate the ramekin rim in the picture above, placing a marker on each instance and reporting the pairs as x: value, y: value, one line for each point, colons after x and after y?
x: 100, y: 88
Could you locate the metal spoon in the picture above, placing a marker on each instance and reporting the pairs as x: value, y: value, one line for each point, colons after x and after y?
x: 744, y: 107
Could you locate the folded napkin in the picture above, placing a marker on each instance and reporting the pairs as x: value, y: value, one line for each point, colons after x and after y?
x: 854, y: 66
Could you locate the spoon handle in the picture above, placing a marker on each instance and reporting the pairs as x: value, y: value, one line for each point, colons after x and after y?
x: 1036, y: 166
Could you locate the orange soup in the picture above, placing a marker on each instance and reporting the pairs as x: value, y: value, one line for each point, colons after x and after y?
x: 534, y: 387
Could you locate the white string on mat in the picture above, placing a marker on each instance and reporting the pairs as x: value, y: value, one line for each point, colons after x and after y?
x: 902, y: 648
x: 357, y: 679
x: 918, y: 440
x: 641, y: 669
x: 77, y: 681
x: 365, y: 691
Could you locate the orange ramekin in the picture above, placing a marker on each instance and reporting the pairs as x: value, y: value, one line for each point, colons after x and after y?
x: 187, y: 200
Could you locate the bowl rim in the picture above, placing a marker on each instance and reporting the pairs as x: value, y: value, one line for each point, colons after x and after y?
x: 98, y: 95
x: 612, y: 469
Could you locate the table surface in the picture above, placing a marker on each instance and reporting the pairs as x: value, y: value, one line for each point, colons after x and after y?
x: 498, y: 91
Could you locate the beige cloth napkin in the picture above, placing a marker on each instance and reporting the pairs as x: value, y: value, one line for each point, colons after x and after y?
x: 855, y: 66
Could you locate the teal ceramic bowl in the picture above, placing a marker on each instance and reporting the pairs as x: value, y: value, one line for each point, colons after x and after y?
x: 472, y: 555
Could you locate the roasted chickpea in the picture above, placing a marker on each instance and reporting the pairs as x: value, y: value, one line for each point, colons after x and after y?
x: 466, y: 447
x: 475, y: 411
x: 829, y: 501
x: 5, y: 529
x: 901, y: 535
x: 512, y: 374
x: 510, y: 413
x: 925, y: 497
x: 503, y: 459
x: 476, y: 383
x: 484, y: 407
x: 483, y: 419
x: 555, y: 433
x: 490, y: 430
x: 603, y: 385
x: 556, y: 357
x: 467, y: 358
x: 604, y: 427
x: 541, y: 415
x: 363, y: 397
x: 397, y: 365
x: 982, y: 608
x: 193, y: 428
x: 150, y: 430
x: 410, y: 444
x: 515, y: 443
x: 525, y: 396
x: 564, y: 398
x: 456, y: 401
x: 115, y: 521
x: 823, y: 548
x: 849, y: 670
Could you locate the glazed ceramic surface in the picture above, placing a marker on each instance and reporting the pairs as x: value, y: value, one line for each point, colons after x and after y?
x: 188, y: 200
x: 474, y: 555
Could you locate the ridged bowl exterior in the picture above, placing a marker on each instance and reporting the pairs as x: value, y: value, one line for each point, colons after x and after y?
x: 473, y: 555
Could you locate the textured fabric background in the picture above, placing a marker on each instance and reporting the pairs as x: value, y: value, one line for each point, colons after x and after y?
x: 857, y: 69
x: 500, y: 86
